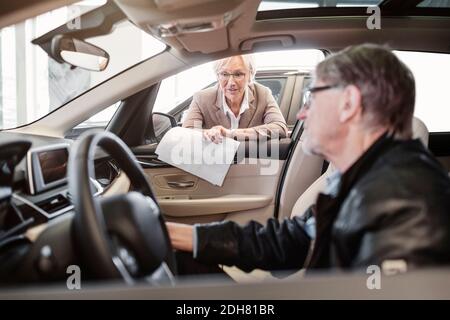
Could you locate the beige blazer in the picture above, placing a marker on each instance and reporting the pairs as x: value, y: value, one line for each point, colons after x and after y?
x: 263, y: 114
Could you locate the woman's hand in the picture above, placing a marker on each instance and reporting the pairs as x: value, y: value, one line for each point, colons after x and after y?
x: 216, y: 134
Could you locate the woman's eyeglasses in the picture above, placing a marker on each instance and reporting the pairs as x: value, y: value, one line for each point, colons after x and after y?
x: 226, y: 75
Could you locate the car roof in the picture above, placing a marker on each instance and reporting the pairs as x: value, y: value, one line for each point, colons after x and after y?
x: 247, y: 30
x: 236, y: 26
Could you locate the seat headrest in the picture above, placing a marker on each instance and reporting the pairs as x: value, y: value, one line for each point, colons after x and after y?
x: 310, y: 195
x: 420, y: 131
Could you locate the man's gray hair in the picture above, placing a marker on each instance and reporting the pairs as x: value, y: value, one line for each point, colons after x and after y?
x: 249, y: 62
x: 387, y: 85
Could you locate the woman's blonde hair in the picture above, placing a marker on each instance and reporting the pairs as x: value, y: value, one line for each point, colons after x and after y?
x: 249, y: 62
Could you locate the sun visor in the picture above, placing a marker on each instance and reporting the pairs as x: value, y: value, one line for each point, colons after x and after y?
x: 198, y: 25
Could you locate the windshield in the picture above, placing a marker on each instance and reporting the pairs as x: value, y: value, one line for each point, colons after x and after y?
x: 32, y: 84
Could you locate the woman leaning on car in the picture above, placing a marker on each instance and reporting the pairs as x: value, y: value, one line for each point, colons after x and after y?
x: 236, y: 107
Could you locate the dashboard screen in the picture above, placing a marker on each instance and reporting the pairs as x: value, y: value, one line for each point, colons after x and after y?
x: 53, y: 164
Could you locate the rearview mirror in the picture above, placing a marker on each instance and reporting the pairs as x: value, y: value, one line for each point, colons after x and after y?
x: 79, y: 53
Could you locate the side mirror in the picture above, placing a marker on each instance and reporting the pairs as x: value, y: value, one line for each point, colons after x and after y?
x: 162, y: 122
x: 79, y: 53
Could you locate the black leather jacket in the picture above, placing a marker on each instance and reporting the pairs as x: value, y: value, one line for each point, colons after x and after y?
x: 393, y: 203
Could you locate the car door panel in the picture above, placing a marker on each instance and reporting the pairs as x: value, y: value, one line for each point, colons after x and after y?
x: 187, y: 206
x: 176, y: 181
x: 248, y: 192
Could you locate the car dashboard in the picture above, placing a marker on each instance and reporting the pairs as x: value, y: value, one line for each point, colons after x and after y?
x: 35, y: 189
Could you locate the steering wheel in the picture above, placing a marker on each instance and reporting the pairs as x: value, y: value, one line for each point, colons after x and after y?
x: 120, y: 236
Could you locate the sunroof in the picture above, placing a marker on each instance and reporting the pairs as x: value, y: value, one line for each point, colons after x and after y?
x: 434, y: 4
x: 266, y: 5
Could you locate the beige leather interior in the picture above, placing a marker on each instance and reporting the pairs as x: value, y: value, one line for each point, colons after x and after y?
x: 301, y: 173
x: 120, y: 185
x: 307, y: 199
x: 309, y: 196
x: 245, y: 195
x: 420, y: 131
x: 191, y: 206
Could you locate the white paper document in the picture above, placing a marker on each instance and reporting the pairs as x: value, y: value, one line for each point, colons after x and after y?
x: 188, y: 150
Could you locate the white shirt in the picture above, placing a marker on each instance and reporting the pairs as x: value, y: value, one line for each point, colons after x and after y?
x: 226, y: 109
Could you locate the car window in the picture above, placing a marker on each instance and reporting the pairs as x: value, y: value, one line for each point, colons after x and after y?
x: 32, y: 84
x: 431, y: 73
x: 183, y: 85
x: 101, y: 119
x: 175, y: 92
x: 275, y: 85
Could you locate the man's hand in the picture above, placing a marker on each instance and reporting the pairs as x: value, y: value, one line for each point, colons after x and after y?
x: 180, y: 236
x: 216, y: 134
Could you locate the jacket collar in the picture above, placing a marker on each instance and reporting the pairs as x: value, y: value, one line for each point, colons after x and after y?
x: 327, y: 207
x: 364, y: 163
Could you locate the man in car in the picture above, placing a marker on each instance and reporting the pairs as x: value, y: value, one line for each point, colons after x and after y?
x: 389, y: 200
x: 237, y: 107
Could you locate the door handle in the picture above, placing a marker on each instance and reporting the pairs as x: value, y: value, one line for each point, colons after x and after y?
x: 181, y: 184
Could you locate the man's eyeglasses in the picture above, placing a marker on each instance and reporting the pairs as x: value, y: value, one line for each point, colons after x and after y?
x: 226, y: 75
x: 307, y: 94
